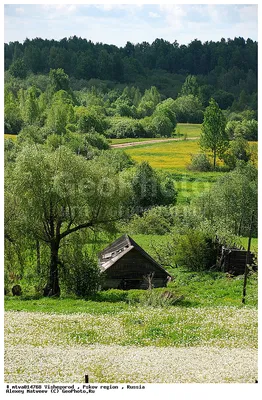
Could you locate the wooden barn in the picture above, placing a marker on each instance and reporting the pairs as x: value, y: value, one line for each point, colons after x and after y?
x: 127, y: 266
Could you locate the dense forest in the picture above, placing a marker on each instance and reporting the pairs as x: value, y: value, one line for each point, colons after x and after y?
x: 227, y: 70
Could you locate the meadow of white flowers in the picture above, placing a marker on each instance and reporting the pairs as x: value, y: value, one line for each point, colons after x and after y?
x: 205, y: 345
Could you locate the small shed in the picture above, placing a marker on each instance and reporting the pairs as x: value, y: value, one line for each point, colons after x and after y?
x: 233, y: 260
x: 127, y: 266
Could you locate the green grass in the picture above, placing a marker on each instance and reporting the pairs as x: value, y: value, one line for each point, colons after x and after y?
x: 63, y: 306
x: 191, y: 130
x: 213, y: 289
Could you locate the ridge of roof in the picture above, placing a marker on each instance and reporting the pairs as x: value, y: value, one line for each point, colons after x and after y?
x: 113, y: 260
x: 121, y: 241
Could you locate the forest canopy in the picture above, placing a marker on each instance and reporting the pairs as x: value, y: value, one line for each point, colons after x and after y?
x: 227, y: 69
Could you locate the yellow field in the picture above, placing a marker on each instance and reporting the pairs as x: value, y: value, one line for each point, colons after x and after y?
x: 9, y: 136
x: 172, y: 156
x: 168, y: 156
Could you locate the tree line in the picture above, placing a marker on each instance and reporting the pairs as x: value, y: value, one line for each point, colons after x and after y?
x: 227, y: 69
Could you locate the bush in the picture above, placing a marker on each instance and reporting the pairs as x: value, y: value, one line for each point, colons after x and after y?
x: 116, y: 158
x: 238, y: 150
x: 246, y: 129
x: 199, y: 162
x: 156, y: 221
x: 81, y: 275
x: 96, y: 140
x: 124, y: 127
x: 196, y: 251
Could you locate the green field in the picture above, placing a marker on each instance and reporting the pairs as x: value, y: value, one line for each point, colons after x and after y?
x: 190, y: 130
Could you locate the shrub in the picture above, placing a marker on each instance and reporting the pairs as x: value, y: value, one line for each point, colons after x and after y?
x: 246, y: 129
x: 116, y: 158
x: 81, y: 275
x: 238, y: 150
x: 96, y: 140
x: 200, y: 162
x: 196, y: 251
x: 156, y: 221
x: 124, y: 127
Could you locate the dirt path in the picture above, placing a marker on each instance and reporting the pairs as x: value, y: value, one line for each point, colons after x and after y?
x: 131, y: 144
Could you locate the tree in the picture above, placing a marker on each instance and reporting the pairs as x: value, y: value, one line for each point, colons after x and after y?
x: 223, y: 99
x: 123, y: 127
x: 158, y: 125
x: 148, y: 188
x: 188, y: 109
x: 167, y: 108
x: 238, y: 150
x: 18, y: 69
x: 232, y: 199
x: 248, y: 129
x: 213, y: 135
x: 12, y: 115
x: 90, y: 118
x: 31, y: 111
x: 149, y: 101
x: 190, y: 86
x: 57, y: 193
x: 61, y: 112
x: 59, y: 80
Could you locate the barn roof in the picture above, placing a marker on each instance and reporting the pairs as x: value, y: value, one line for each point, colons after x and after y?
x: 118, y: 249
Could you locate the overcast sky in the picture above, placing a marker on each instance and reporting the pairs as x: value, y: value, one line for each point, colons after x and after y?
x: 118, y: 23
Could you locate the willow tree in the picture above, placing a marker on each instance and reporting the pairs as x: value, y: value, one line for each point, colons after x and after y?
x: 213, y: 135
x: 57, y: 193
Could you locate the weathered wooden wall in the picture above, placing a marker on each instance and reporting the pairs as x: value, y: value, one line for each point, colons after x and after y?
x: 235, y: 260
x: 130, y: 271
